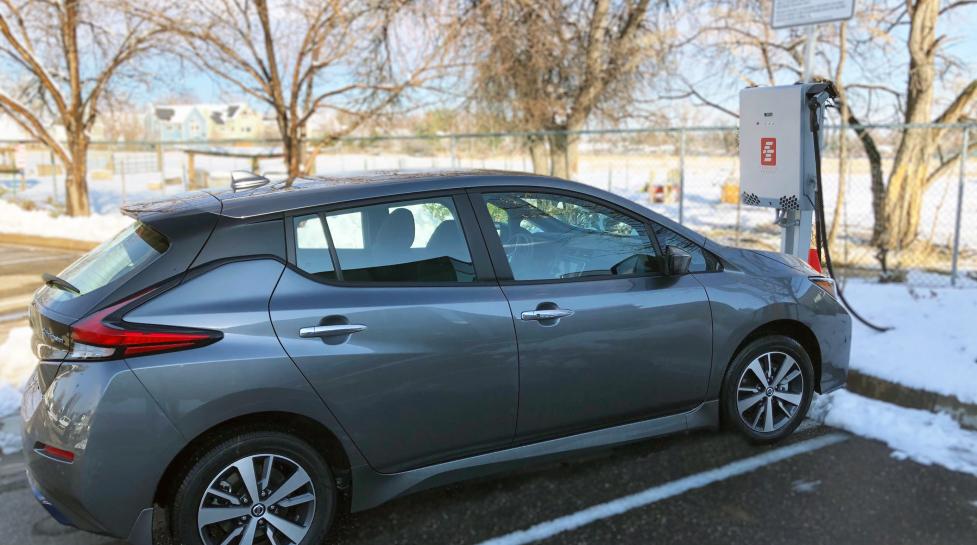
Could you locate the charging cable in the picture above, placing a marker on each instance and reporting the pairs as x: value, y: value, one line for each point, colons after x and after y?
x: 817, y: 99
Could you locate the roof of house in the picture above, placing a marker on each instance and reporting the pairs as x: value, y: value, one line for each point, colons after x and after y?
x: 218, y: 113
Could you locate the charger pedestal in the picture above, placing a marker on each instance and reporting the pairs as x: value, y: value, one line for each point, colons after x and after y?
x: 795, y: 232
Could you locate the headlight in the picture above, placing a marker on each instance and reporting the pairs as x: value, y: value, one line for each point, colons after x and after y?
x: 825, y: 283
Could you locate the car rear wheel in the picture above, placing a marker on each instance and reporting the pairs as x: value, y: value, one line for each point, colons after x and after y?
x: 768, y: 388
x: 256, y: 488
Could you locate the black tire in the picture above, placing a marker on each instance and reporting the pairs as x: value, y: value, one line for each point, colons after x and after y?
x: 777, y: 344
x: 213, y: 458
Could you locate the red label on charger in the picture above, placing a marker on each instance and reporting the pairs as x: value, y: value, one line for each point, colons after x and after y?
x: 768, y: 152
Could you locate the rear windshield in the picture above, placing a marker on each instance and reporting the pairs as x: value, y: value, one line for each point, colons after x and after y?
x: 134, y: 247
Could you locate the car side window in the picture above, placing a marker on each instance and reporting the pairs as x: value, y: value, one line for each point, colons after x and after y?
x: 312, y: 247
x: 702, y: 260
x: 552, y: 237
x: 411, y: 241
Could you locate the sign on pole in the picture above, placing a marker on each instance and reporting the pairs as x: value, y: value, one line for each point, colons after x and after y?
x: 788, y: 13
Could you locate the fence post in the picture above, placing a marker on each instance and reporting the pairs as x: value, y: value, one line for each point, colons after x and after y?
x: 960, y: 185
x: 681, y: 176
x: 54, y: 177
x: 122, y: 169
x: 454, y: 156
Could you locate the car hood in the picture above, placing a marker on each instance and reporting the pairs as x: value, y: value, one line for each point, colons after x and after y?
x: 759, y: 261
x: 791, y: 261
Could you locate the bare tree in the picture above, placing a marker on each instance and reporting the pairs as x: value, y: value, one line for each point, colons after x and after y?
x: 737, y: 34
x: 61, y: 60
x: 548, y: 65
x: 911, y: 171
x: 300, y: 57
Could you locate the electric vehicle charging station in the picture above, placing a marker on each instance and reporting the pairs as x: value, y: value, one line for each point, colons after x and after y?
x: 780, y: 165
x: 777, y: 158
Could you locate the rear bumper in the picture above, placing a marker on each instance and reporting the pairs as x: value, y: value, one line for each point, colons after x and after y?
x: 120, y: 439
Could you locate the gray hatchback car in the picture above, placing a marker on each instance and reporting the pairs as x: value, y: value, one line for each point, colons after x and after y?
x: 238, y: 365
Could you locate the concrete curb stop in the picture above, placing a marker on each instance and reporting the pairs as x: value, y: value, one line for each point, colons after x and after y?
x: 911, y: 398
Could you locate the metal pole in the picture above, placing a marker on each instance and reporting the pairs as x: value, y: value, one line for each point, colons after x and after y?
x: 681, y: 176
x: 960, y: 185
x: 809, y: 52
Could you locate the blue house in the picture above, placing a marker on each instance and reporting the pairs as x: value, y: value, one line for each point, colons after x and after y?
x: 177, y: 123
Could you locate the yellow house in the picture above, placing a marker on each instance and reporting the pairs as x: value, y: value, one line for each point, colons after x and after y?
x: 233, y: 122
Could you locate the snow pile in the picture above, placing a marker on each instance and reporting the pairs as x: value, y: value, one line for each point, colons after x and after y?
x: 17, y: 362
x: 932, y: 347
x: 921, y: 436
x: 97, y: 227
x: 9, y: 443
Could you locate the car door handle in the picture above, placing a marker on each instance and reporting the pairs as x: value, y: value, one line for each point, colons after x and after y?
x: 330, y: 330
x: 546, y: 314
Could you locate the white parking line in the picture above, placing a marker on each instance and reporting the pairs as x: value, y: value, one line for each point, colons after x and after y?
x: 699, y: 480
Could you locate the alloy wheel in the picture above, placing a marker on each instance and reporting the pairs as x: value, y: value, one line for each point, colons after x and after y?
x: 266, y: 499
x: 770, y: 392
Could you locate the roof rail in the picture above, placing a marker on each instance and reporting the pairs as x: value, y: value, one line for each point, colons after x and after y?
x: 243, y: 179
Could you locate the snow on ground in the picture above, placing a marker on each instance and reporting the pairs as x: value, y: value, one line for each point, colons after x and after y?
x: 16, y: 364
x: 921, y: 436
x: 96, y: 228
x: 933, y: 345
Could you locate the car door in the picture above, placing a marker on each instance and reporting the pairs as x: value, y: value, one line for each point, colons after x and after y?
x: 404, y: 334
x: 605, y: 336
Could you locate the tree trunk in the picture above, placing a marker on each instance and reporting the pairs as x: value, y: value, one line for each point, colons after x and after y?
x: 76, y: 177
x: 563, y: 154
x: 840, y: 198
x: 291, y: 146
x: 537, y: 153
x: 907, y: 180
x: 843, y: 133
x: 877, y: 185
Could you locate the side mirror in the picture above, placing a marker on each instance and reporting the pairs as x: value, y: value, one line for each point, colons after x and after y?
x: 678, y: 260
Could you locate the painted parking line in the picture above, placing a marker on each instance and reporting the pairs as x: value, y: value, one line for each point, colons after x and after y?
x: 699, y: 480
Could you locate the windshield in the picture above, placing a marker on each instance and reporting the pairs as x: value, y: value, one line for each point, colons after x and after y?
x: 129, y: 250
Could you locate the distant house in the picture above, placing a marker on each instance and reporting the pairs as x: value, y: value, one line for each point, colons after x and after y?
x: 176, y: 123
x: 196, y: 122
x: 235, y: 121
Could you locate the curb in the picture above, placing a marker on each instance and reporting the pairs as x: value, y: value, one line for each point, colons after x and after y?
x: 876, y: 388
x: 47, y: 242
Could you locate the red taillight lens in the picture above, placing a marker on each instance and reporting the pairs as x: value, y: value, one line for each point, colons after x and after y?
x: 104, y: 335
x: 60, y: 455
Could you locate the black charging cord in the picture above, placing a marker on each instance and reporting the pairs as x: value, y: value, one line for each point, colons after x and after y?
x: 821, y: 233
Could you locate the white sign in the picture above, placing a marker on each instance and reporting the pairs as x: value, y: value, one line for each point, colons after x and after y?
x: 788, y: 13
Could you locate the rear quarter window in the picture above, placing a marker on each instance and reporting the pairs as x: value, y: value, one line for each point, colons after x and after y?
x: 132, y: 249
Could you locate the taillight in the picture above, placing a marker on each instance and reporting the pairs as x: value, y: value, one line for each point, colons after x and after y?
x: 105, y: 335
x: 56, y: 453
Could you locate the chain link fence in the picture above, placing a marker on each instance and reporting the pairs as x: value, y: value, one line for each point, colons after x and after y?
x: 688, y: 174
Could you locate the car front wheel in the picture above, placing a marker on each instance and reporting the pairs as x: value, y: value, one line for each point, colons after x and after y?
x: 768, y: 388
x: 255, y: 488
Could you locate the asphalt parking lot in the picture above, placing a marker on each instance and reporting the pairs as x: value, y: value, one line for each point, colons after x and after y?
x: 848, y: 490
x: 852, y: 491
